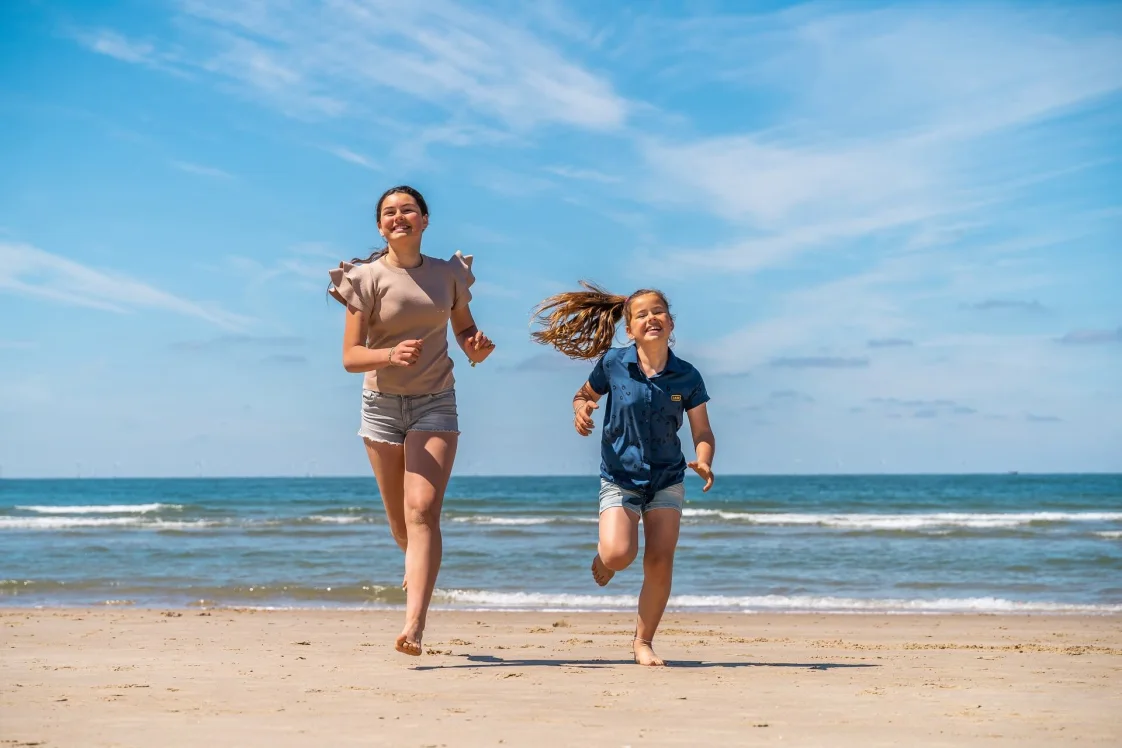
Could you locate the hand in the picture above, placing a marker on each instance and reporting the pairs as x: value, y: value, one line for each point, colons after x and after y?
x: 582, y: 419
x: 406, y: 353
x: 480, y: 345
x: 703, y: 470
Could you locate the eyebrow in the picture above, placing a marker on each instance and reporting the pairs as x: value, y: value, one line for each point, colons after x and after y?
x: 399, y: 207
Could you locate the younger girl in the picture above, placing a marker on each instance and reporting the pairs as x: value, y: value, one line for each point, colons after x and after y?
x: 399, y: 304
x: 648, y: 389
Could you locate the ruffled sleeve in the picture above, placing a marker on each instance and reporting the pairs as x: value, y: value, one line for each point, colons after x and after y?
x: 353, y: 286
x: 461, y: 271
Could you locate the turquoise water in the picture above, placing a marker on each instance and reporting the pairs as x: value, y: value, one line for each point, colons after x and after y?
x: 1012, y: 543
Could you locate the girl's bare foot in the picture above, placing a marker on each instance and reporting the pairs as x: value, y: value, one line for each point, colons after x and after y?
x: 602, y: 574
x: 645, y: 654
x: 409, y: 641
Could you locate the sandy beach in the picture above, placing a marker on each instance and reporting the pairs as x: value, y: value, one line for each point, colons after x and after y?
x: 125, y: 677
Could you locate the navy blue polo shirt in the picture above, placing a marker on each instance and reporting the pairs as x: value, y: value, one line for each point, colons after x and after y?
x: 640, y: 449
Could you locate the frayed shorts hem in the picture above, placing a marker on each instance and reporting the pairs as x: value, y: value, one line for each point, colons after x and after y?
x: 388, y: 419
x: 377, y: 439
x: 611, y: 495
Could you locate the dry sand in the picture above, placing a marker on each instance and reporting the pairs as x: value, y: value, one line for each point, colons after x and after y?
x: 122, y: 677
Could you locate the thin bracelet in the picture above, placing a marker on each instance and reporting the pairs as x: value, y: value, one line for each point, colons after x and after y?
x: 392, y: 349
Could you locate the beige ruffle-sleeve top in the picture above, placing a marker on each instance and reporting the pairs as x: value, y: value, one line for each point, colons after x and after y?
x: 401, y: 304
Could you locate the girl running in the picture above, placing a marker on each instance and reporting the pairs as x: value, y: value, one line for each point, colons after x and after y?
x: 648, y: 389
x: 399, y: 303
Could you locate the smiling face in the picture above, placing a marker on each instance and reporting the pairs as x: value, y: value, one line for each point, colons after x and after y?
x: 648, y: 319
x: 401, y: 217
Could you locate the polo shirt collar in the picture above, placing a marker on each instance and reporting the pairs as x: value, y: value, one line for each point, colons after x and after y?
x: 673, y: 363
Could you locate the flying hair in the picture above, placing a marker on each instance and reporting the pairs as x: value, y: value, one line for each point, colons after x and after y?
x: 582, y: 324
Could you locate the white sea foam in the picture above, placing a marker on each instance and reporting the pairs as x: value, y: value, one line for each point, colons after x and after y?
x: 328, y: 519
x: 762, y: 603
x: 74, y: 523
x: 489, y: 520
x: 905, y: 521
x: 197, y: 524
x: 101, y: 509
x: 1110, y: 534
x: 63, y: 523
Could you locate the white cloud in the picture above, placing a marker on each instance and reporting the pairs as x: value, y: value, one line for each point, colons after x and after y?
x: 114, y: 45
x: 355, y: 158
x: 350, y: 58
x: 30, y: 271
x: 201, y: 170
x: 588, y: 175
x: 889, y: 120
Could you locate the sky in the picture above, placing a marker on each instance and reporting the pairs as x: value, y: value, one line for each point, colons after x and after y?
x: 891, y: 233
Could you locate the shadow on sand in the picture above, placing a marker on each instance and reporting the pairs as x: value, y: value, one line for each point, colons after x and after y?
x: 490, y: 661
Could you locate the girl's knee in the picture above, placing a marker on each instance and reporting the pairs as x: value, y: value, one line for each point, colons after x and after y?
x: 658, y: 563
x: 617, y: 558
x: 422, y: 516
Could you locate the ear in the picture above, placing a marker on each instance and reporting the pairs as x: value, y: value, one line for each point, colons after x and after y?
x: 424, y: 222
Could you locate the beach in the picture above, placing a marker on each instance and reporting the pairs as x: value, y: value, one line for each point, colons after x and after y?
x: 111, y: 676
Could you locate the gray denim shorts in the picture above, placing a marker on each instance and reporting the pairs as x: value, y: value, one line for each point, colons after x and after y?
x: 671, y: 497
x: 388, y: 418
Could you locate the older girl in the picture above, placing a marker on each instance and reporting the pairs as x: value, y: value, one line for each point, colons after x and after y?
x: 399, y: 303
x: 647, y: 389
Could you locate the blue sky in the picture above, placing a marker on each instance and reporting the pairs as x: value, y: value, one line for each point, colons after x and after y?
x: 890, y: 232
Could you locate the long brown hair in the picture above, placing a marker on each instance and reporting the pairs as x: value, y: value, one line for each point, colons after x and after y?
x: 582, y: 324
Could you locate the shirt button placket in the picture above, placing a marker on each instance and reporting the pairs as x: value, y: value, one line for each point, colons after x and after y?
x: 648, y: 446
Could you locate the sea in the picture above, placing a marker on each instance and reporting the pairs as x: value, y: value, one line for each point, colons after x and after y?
x: 1001, y: 544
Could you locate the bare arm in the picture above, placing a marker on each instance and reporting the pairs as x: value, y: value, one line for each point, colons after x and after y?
x: 358, y: 358
x: 475, y: 345
x: 704, y: 444
x: 584, y: 402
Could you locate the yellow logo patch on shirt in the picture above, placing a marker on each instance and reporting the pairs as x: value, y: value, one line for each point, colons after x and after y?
x: 676, y: 398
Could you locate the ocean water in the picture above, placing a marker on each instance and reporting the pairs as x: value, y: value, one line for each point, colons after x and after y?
x: 1001, y: 544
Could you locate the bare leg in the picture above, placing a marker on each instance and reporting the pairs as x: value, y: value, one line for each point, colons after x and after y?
x: 388, y: 462
x: 428, y: 464
x: 660, y: 527
x: 619, y: 543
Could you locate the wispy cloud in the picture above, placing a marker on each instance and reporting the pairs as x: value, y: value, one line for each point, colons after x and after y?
x: 1034, y: 418
x: 886, y: 115
x: 1092, y: 337
x: 355, y: 158
x: 30, y: 271
x: 334, y: 60
x: 890, y: 343
x: 201, y: 170
x: 790, y: 396
x: 895, y: 407
x: 913, y: 403
x: 114, y: 45
x: 588, y: 175
x: 990, y: 305
x: 820, y: 362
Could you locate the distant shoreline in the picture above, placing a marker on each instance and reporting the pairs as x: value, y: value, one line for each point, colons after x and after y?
x: 455, y: 475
